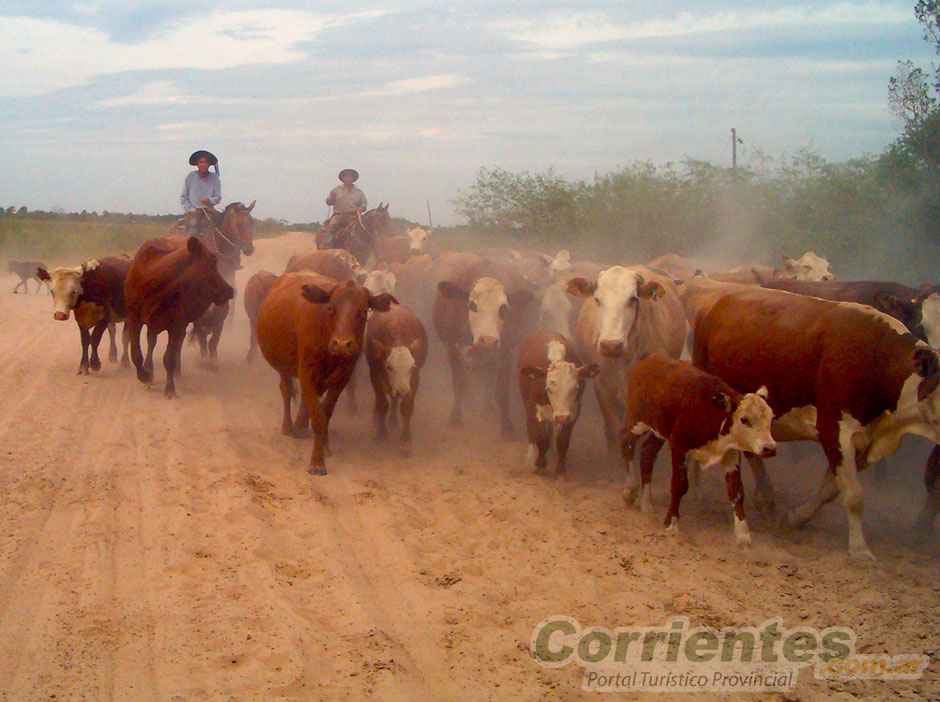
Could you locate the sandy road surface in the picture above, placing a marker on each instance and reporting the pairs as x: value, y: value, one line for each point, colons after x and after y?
x: 178, y: 550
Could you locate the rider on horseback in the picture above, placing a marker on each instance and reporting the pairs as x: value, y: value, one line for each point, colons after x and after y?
x: 348, y: 203
x: 201, y: 191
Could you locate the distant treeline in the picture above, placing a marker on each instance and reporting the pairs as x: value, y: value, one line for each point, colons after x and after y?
x: 876, y: 216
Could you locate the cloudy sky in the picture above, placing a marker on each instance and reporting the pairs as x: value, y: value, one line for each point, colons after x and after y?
x: 101, y: 103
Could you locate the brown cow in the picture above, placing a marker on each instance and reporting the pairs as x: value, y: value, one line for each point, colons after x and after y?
x: 171, y: 283
x: 338, y: 264
x: 256, y: 289
x: 310, y: 327
x: 26, y: 270
x: 843, y: 374
x: 551, y: 383
x: 94, y: 292
x: 705, y: 422
x: 398, y: 249
x: 396, y: 349
x: 481, y: 314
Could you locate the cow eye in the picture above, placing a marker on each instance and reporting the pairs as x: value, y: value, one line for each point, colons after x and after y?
x: 473, y: 306
x: 597, y: 300
x: 633, y: 301
x: 745, y: 421
x: 503, y: 311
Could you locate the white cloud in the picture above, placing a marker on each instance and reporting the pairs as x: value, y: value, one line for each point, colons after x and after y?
x: 39, y: 56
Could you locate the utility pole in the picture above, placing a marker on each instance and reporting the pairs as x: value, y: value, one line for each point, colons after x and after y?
x: 734, y: 148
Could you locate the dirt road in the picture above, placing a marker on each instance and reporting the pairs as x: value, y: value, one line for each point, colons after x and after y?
x: 178, y: 550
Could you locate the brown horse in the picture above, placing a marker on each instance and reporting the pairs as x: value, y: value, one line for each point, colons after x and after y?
x: 361, y: 233
x: 229, y: 236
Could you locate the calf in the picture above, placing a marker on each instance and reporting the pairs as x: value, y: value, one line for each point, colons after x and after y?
x: 398, y: 249
x: 379, y: 281
x: 310, y: 327
x: 256, y: 289
x: 94, y: 293
x: 551, y: 383
x: 705, y: 421
x: 26, y: 270
x: 396, y: 349
x: 338, y: 264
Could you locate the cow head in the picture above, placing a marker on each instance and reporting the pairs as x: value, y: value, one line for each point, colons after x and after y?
x: 809, y: 266
x: 348, y: 305
x: 561, y: 261
x: 417, y: 237
x: 207, y: 272
x: 616, y: 292
x: 930, y: 315
x: 488, y: 305
x: 379, y: 281
x: 555, y: 310
x: 747, y: 427
x: 564, y: 383
x: 400, y: 366
x: 66, y: 287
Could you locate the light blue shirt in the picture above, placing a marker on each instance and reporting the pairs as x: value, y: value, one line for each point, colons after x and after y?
x: 196, y: 188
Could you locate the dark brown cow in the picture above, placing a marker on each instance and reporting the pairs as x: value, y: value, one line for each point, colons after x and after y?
x: 845, y: 374
x: 705, y: 422
x: 396, y: 349
x: 26, y: 270
x: 94, y: 293
x: 256, y: 289
x: 551, y: 383
x: 481, y: 314
x: 171, y: 283
x: 310, y: 327
x: 338, y: 264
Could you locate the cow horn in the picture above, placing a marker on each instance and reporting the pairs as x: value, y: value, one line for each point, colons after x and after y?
x: 252, y: 205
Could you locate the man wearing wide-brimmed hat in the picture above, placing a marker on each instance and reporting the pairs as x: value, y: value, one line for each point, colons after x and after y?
x: 347, y: 202
x: 202, y: 190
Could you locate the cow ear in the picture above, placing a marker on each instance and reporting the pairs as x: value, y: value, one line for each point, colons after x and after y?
x: 415, y: 348
x: 534, y: 373
x: 891, y: 304
x: 379, y: 346
x: 381, y: 303
x: 589, y: 371
x: 391, y: 279
x: 315, y: 294
x: 520, y: 298
x: 763, y: 392
x: 90, y: 265
x: 251, y: 206
x: 194, y: 246
x: 927, y: 366
x: 43, y: 274
x: 580, y: 287
x: 652, y: 290
x: 721, y: 401
x: 452, y: 291
x: 361, y: 276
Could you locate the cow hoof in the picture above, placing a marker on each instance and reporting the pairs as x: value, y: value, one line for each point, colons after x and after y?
x: 673, y: 526
x: 317, y: 470
x: 82, y: 370
x: 630, y: 493
x: 560, y: 472
x: 404, y: 449
x: 144, y: 376
x: 170, y: 394
x: 95, y: 366
x: 301, y: 433
x: 742, y: 533
x: 862, y: 554
x: 794, y: 520
x: 112, y: 358
x: 125, y: 363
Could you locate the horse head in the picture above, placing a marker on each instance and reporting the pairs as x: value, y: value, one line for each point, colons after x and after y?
x: 378, y: 222
x: 236, y: 227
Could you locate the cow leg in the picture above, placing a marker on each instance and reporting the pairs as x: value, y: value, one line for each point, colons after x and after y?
x: 252, y: 341
x: 214, y: 339
x: 611, y: 411
x: 562, y: 442
x: 125, y: 340
x: 86, y: 341
x: 171, y: 358
x: 923, y: 527
x: 151, y: 345
x: 112, y: 346
x: 732, y: 465
x: 351, y: 392
x: 329, y: 406
x: 764, y: 495
x: 648, y: 453
x: 133, y: 333
x: 543, y: 440
x: 502, y: 379
x: 393, y: 412
x: 407, y: 407
x: 459, y: 377
x: 380, y: 408
x: 827, y: 492
x: 302, y: 423
x: 95, y: 340
x: 287, y: 391
x: 17, y: 286
x: 318, y: 420
x: 680, y: 485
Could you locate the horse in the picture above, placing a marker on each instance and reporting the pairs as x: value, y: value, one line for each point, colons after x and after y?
x: 358, y: 237
x: 229, y: 236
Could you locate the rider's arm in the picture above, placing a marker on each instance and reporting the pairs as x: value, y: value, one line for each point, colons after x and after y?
x: 184, y: 197
x: 331, y: 198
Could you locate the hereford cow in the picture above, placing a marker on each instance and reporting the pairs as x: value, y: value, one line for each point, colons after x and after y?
x: 396, y: 349
x: 256, y: 289
x: 26, y: 270
x: 398, y: 249
x: 481, y: 314
x: 338, y: 264
x: 380, y: 281
x: 310, y: 327
x: 94, y: 293
x: 843, y: 374
x: 551, y: 383
x: 705, y: 422
x: 627, y: 314
x: 171, y: 283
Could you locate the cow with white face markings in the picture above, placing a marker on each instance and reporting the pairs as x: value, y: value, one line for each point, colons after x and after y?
x: 481, y: 314
x: 706, y: 423
x: 551, y: 383
x: 398, y: 249
x: 841, y: 373
x: 809, y: 266
x: 627, y: 314
x: 379, y: 281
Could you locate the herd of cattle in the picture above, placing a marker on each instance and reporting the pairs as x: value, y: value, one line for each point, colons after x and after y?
x: 776, y: 354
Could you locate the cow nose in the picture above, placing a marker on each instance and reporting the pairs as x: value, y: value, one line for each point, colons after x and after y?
x: 415, y: 251
x: 61, y: 316
x: 769, y: 451
x: 488, y: 343
x: 562, y: 417
x: 611, y: 348
x: 401, y: 394
x: 343, y: 348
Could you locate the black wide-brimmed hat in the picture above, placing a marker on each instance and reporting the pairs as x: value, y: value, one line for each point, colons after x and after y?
x: 199, y: 154
x: 353, y: 171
